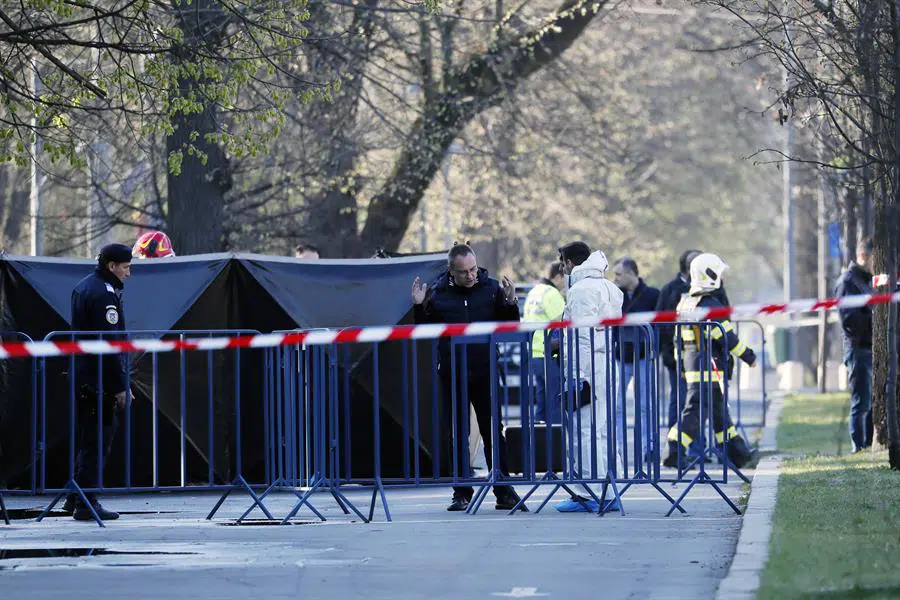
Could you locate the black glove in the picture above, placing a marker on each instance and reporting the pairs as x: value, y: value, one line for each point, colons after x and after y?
x: 749, y: 357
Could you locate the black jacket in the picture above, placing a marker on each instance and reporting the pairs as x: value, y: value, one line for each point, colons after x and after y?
x: 97, y: 306
x: 449, y: 303
x: 669, y: 297
x: 644, y: 299
x: 855, y: 322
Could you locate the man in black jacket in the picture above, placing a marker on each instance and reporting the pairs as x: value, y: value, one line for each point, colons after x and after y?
x: 857, y: 327
x: 97, y: 307
x: 465, y: 294
x: 631, y: 350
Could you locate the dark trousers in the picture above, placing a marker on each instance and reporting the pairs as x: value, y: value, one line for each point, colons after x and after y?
x: 86, y: 428
x: 479, y: 397
x: 677, y: 395
x: 677, y: 385
x: 690, y: 418
x: 859, y: 365
x: 546, y: 391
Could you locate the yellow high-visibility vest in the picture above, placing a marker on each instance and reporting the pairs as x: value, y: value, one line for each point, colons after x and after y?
x: 543, y: 303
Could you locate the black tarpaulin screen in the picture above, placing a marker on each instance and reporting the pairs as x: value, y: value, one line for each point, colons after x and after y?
x: 208, y: 292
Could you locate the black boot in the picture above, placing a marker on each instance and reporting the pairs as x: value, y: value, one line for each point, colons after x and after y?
x: 671, y: 459
x: 507, y: 498
x: 739, y: 452
x: 69, y: 506
x: 459, y: 504
x: 83, y: 513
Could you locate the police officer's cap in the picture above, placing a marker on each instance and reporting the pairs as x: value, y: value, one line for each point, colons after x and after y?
x: 117, y: 253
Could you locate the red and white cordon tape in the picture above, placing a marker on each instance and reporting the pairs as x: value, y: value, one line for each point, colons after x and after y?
x: 421, y: 332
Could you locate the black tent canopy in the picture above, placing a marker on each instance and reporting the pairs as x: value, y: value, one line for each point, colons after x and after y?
x: 207, y: 292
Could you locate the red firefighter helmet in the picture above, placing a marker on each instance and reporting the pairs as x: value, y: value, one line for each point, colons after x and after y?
x: 153, y: 244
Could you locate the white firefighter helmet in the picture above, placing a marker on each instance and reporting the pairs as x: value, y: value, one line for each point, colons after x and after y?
x: 706, y: 273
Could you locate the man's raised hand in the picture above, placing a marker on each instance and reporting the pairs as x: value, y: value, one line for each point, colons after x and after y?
x: 419, y: 289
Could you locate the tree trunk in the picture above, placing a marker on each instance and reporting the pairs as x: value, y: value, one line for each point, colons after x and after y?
x: 474, y: 86
x: 196, y: 196
x: 887, y: 229
x: 13, y: 208
x: 851, y: 202
x: 884, y: 340
x: 332, y: 222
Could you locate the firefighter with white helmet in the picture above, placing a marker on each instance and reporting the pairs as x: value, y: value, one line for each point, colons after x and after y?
x: 700, y: 370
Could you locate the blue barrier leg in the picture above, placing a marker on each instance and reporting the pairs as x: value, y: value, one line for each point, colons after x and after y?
x: 616, y: 499
x: 71, y: 486
x: 304, y: 499
x: 241, y: 484
x: 340, y: 503
x: 480, y: 495
x: 378, y: 491
x: 665, y: 495
x: 703, y: 477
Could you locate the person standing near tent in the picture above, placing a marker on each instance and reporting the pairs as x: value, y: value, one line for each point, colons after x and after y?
x: 97, y: 306
x: 465, y: 294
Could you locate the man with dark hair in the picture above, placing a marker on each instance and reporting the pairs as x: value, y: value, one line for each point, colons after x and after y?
x: 630, y: 353
x: 669, y: 297
x: 573, y: 254
x: 856, y: 324
x: 545, y: 302
x: 306, y: 251
x: 97, y: 306
x: 465, y: 294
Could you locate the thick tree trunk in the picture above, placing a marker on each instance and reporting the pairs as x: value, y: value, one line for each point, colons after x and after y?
x: 196, y: 196
x: 474, y: 86
x: 884, y: 340
x: 332, y: 221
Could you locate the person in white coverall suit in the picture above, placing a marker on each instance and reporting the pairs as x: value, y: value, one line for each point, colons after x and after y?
x: 591, y: 296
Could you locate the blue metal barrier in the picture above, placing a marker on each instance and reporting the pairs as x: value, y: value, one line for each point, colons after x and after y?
x: 740, y: 422
x: 208, y: 372
x: 25, y: 370
x: 377, y: 416
x: 303, y: 454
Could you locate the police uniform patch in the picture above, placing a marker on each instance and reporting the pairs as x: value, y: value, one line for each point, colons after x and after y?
x: 112, y: 316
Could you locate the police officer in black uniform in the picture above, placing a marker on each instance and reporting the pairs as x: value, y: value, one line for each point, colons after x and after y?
x: 97, y: 306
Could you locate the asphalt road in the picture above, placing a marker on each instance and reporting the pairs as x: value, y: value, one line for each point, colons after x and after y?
x: 165, y: 549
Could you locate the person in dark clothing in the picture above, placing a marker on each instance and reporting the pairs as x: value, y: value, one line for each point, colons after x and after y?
x: 97, y: 307
x: 856, y: 324
x: 465, y: 294
x: 669, y: 297
x: 630, y: 349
